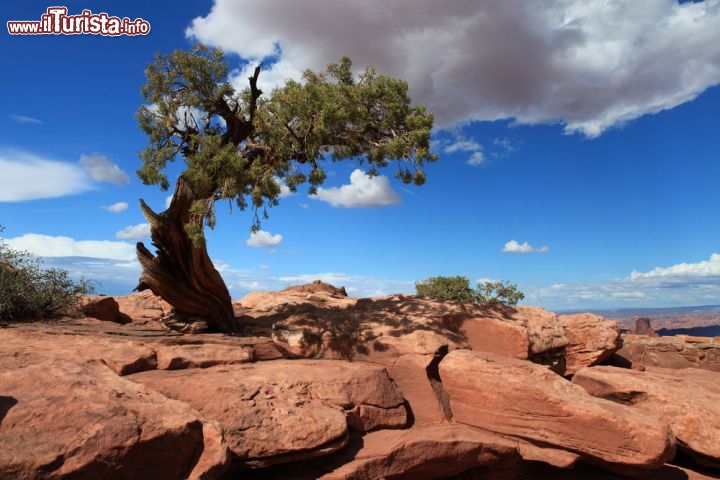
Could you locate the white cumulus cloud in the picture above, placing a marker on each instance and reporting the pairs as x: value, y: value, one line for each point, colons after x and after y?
x: 363, y: 191
x: 101, y: 169
x: 60, y: 246
x: 588, y: 65
x: 133, y: 232
x: 261, y: 238
x: 513, y: 246
x: 683, y: 273
x: 116, y: 207
x: 24, y: 176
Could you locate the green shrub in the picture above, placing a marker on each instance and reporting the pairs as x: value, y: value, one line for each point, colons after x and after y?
x: 446, y: 288
x: 458, y: 289
x: 29, y: 292
x: 498, y: 293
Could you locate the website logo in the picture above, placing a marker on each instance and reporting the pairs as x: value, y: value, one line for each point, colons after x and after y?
x: 56, y: 21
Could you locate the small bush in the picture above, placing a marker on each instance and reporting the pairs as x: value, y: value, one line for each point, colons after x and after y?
x: 446, y: 288
x: 28, y: 291
x: 458, y: 289
x: 498, y: 293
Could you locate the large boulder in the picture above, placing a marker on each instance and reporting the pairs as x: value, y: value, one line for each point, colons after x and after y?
x: 66, y: 417
x: 281, y: 411
x: 103, y: 308
x: 591, y: 340
x: 523, y: 400
x: 525, y: 333
x: 143, y: 307
x: 431, y: 452
x: 688, y: 400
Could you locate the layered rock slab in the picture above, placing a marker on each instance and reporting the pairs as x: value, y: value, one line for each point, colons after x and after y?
x: 122, y: 355
x: 592, y: 339
x: 688, y: 400
x: 527, y: 401
x: 424, y: 452
x: 429, y: 452
x: 62, y: 417
x: 679, y: 351
x: 280, y: 411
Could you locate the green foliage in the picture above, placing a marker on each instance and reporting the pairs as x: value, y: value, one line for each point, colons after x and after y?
x: 498, y: 293
x: 446, y: 288
x: 239, y: 145
x: 458, y: 289
x: 28, y: 292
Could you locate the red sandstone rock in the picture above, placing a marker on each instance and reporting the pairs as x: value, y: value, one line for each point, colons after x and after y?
x: 198, y: 355
x: 524, y: 400
x: 670, y: 352
x: 316, y: 293
x: 103, y: 308
x: 643, y: 327
x: 143, y: 306
x: 431, y: 452
x: 688, y: 400
x: 64, y: 417
x: 274, y: 413
x: 592, y: 340
x: 281, y: 411
x: 123, y: 356
x: 404, y: 334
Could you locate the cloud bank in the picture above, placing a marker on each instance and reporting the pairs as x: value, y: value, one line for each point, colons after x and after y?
x: 587, y: 65
x: 59, y: 246
x: 30, y: 177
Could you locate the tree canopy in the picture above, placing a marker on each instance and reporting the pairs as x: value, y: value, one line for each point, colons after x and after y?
x: 239, y: 145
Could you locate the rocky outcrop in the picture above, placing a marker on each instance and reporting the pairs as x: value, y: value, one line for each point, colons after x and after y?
x: 527, y: 401
x: 688, y: 400
x: 408, y: 335
x: 317, y: 294
x: 322, y: 384
x: 281, y: 411
x: 680, y: 351
x: 103, y: 308
x: 316, y: 320
x: 143, y: 307
x: 591, y: 340
x: 431, y: 452
x: 61, y: 417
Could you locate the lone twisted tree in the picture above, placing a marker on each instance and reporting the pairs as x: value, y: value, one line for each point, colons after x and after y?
x: 239, y: 146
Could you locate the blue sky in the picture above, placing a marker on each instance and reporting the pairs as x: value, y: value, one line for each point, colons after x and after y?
x: 578, y: 146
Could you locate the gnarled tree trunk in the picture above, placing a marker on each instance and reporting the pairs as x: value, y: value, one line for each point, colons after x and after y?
x: 181, y: 272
